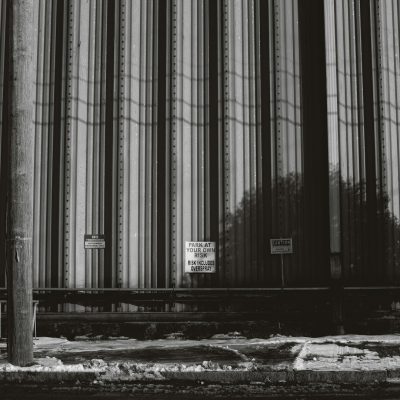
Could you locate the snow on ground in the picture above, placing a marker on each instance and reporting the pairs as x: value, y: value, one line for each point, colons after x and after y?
x: 43, y: 364
x: 330, y: 353
x: 392, y: 339
x: 120, y: 343
x: 331, y: 356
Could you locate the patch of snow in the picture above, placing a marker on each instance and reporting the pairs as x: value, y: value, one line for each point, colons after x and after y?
x: 49, y: 362
x: 81, y: 338
x: 392, y: 339
x: 39, y: 368
x: 119, y: 338
x: 229, y: 335
x: 230, y: 350
x: 296, y: 348
x: 95, y: 363
x: 175, y: 336
x: 330, y: 356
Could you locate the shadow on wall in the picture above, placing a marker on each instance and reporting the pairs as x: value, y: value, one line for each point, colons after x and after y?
x: 370, y: 236
x: 257, y: 218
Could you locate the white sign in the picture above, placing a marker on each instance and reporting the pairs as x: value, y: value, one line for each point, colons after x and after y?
x: 95, y: 242
x: 200, y: 257
x: 281, y: 246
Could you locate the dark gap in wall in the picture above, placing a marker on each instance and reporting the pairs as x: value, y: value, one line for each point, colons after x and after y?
x: 56, y: 258
x: 375, y: 235
x: 265, y: 128
x: 315, y: 136
x: 110, y: 250
x: 215, y: 151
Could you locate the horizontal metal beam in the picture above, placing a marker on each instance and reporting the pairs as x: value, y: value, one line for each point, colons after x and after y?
x: 147, y: 317
x: 181, y: 290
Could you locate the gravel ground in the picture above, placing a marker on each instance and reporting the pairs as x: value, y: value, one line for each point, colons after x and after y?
x: 199, y: 390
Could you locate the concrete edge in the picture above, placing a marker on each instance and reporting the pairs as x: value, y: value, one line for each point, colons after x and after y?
x: 210, y: 376
x: 265, y: 377
x: 47, y: 376
x: 231, y: 376
x: 343, y: 376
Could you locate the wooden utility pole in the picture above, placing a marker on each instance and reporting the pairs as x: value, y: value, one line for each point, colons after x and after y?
x: 20, y: 179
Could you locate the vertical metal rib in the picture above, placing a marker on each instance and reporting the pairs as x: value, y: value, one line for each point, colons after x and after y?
x: 228, y: 233
x: 68, y: 243
x: 137, y: 134
x: 172, y: 140
x: 121, y: 148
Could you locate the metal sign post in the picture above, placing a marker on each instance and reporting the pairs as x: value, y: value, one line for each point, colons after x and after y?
x: 282, y: 246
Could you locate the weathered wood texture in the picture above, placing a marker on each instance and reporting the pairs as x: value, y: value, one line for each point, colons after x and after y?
x: 20, y: 183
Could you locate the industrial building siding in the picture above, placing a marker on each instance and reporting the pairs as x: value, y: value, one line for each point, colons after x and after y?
x: 137, y: 143
x: 188, y: 135
x: 388, y: 92
x: 159, y: 122
x: 362, y: 83
x: 3, y: 162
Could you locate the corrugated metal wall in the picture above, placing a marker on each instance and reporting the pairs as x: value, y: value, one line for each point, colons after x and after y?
x: 44, y: 134
x: 286, y: 146
x: 188, y: 125
x: 241, y: 133
x: 388, y: 93
x: 138, y: 144
x: 159, y: 122
x: 84, y: 151
x: 345, y: 129
x: 362, y: 82
x: 262, y: 160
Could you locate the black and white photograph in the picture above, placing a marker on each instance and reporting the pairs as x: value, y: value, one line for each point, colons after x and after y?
x: 199, y: 199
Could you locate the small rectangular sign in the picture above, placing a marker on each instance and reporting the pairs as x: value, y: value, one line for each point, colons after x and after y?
x: 95, y: 242
x: 281, y: 246
x: 200, y: 257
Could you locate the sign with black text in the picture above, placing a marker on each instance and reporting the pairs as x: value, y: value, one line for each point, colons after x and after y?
x: 200, y: 257
x: 281, y: 246
x: 95, y: 242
